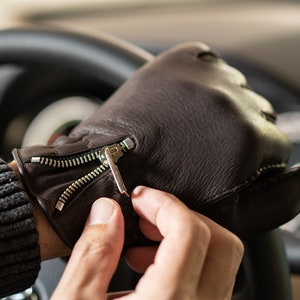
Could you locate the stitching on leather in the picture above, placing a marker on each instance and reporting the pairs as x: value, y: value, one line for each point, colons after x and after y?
x: 273, y: 180
x: 270, y: 181
x: 250, y: 179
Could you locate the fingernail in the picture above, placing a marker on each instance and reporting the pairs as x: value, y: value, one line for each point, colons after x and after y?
x: 138, y: 191
x: 101, y: 212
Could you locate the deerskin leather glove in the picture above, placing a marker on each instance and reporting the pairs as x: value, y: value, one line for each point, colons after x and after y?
x: 186, y: 123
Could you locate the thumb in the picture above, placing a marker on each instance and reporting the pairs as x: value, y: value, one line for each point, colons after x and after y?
x: 96, y: 254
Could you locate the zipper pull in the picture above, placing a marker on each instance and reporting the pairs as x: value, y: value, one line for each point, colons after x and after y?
x: 111, y: 156
x: 108, y: 156
x: 117, y: 150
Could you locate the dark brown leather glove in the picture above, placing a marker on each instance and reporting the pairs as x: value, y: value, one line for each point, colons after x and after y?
x: 186, y: 123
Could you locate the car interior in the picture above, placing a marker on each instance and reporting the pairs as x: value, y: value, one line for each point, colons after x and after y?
x: 76, y: 53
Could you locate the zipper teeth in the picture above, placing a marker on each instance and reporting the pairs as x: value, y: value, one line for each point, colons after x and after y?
x: 77, y: 184
x: 69, y: 162
x: 74, y: 161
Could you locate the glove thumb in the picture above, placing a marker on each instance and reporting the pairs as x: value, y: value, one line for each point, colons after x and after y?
x: 96, y: 254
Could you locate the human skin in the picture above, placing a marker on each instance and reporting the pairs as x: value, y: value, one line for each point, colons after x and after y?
x: 196, y: 259
x: 51, y: 246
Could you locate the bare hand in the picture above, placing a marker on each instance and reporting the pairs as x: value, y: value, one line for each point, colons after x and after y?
x: 196, y: 257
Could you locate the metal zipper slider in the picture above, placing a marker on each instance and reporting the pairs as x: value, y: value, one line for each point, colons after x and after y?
x: 108, y: 156
x: 115, y: 171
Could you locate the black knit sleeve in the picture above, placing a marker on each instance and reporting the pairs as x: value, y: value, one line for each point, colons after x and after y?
x: 19, y: 248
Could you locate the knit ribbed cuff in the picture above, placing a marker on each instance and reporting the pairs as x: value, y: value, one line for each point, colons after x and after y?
x: 19, y: 248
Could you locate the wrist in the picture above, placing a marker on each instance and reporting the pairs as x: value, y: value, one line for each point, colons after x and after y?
x: 65, y: 179
x: 51, y: 245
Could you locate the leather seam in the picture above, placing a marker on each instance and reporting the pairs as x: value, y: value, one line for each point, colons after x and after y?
x: 226, y: 192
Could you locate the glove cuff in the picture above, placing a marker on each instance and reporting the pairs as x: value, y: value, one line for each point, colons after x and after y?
x: 65, y: 184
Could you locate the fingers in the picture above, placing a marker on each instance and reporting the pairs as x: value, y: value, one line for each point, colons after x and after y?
x: 96, y: 254
x: 223, y: 259
x: 196, y: 258
x: 186, y: 237
x: 140, y: 258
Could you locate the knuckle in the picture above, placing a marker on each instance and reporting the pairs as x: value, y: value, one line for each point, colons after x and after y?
x: 203, y: 230
x: 197, y: 230
x: 233, y: 246
x: 91, y: 245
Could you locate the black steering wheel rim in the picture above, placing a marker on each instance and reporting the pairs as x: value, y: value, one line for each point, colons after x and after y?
x: 116, y: 59
x: 110, y: 62
x: 47, y: 54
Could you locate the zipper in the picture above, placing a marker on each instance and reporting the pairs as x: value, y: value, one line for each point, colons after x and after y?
x: 107, y: 156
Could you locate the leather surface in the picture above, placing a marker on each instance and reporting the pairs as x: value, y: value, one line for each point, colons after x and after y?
x: 200, y: 132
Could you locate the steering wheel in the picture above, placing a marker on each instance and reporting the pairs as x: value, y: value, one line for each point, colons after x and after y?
x: 50, y: 67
